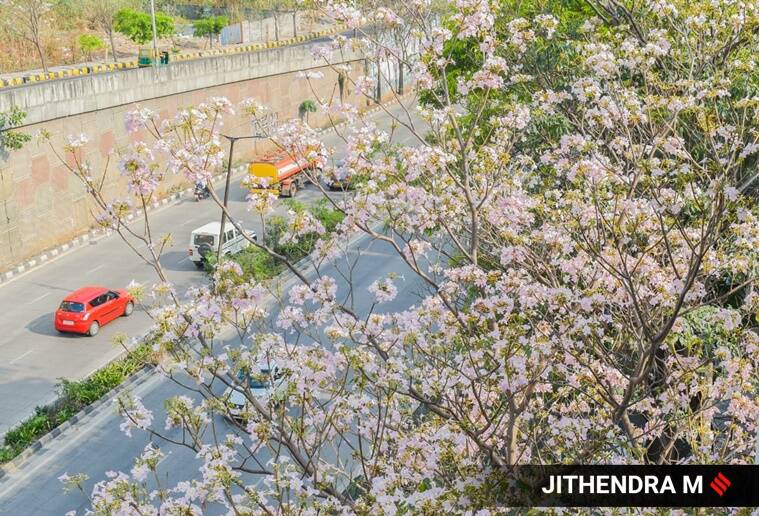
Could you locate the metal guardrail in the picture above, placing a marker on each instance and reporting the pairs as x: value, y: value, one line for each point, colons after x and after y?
x: 112, y: 67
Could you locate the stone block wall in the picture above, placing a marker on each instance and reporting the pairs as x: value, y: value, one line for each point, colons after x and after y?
x: 43, y: 205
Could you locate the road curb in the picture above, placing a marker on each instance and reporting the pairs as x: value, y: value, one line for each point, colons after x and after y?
x: 302, y: 266
x: 136, y: 379
x: 95, y: 234
x: 89, y: 237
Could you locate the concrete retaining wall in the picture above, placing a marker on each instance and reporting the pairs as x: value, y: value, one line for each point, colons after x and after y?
x: 42, y: 205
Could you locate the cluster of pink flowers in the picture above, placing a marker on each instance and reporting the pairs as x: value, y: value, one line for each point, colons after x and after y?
x: 580, y: 249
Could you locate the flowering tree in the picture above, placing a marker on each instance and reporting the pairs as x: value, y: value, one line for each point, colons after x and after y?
x: 28, y: 20
x: 579, y: 209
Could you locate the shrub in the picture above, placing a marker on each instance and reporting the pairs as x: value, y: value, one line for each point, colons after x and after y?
x: 211, y: 27
x: 89, y: 43
x: 259, y: 265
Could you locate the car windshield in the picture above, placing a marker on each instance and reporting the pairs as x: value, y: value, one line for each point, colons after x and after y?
x: 72, y: 306
x: 203, y: 239
x: 260, y: 380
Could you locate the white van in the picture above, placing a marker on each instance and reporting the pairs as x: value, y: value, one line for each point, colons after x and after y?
x: 205, y: 240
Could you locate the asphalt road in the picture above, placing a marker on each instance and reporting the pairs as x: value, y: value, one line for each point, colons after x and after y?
x: 96, y: 445
x: 34, y: 357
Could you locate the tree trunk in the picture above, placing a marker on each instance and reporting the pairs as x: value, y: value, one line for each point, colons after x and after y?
x: 295, y: 24
x: 276, y: 26
x: 400, y: 76
x: 113, y: 47
x: 341, y: 85
x: 41, y: 54
x: 210, y: 40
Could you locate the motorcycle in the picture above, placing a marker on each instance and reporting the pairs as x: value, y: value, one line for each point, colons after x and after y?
x: 201, y: 192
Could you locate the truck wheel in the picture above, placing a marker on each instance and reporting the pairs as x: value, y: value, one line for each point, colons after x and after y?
x: 293, y: 189
x: 199, y: 264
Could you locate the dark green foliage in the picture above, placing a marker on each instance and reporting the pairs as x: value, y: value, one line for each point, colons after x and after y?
x: 9, y: 139
x: 259, y: 265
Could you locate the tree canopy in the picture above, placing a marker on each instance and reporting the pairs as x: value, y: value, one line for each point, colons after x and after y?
x: 137, y: 25
x: 574, y: 212
x: 210, y: 26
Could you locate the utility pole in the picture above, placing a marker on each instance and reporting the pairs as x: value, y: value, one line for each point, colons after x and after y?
x: 232, y: 140
x: 155, y: 37
x: 263, y: 126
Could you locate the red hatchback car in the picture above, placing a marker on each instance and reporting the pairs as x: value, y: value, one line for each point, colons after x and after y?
x: 89, y: 308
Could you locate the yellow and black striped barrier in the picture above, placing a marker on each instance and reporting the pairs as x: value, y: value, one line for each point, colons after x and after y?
x: 112, y: 67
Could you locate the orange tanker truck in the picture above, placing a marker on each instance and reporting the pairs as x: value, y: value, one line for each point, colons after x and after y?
x: 278, y: 174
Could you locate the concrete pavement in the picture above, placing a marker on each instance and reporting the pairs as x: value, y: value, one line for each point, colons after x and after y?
x: 33, y: 356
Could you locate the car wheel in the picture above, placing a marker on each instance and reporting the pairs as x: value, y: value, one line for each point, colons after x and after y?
x: 199, y: 264
x: 128, y: 309
x: 94, y: 329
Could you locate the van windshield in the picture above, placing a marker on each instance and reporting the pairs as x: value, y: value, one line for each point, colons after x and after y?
x: 71, y: 306
x: 203, y: 239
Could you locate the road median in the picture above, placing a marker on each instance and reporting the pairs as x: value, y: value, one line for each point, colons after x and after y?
x: 79, y: 398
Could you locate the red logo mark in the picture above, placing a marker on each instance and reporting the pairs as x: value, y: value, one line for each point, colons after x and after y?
x: 720, y: 484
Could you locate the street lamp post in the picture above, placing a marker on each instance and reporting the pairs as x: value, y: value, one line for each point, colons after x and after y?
x: 155, y: 37
x: 262, y: 125
x: 232, y: 141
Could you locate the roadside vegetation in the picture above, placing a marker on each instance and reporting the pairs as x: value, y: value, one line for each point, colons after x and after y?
x: 259, y: 265
x: 10, y: 138
x: 256, y: 264
x: 74, y: 396
x: 40, y: 34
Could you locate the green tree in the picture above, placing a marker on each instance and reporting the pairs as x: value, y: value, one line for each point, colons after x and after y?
x: 90, y: 43
x: 211, y: 27
x: 306, y: 107
x: 101, y: 13
x: 10, y: 139
x: 138, y: 27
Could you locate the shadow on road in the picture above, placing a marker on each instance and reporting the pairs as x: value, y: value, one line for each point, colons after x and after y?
x: 43, y: 325
x: 177, y: 261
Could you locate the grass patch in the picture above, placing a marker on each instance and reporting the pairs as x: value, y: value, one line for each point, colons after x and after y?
x: 74, y: 396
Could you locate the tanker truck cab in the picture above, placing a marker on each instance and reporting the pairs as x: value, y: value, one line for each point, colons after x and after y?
x: 205, y: 240
x: 278, y: 174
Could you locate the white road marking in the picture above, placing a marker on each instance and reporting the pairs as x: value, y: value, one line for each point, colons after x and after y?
x: 38, y: 298
x: 98, y: 267
x: 184, y: 259
x: 371, y: 253
x: 20, y: 357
